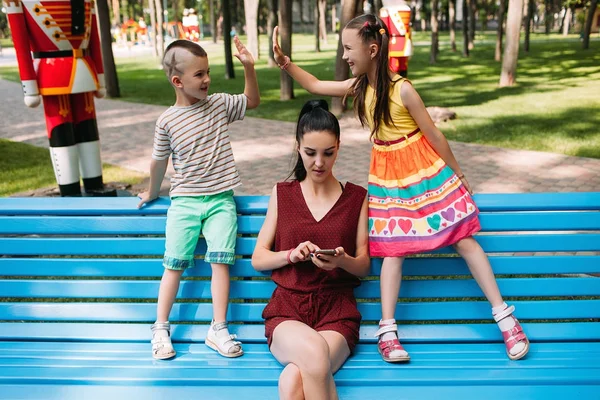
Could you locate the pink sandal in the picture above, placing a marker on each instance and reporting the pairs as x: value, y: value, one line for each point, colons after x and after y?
x: 514, y: 335
x: 391, y: 350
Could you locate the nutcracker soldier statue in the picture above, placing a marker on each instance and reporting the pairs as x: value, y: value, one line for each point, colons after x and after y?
x: 62, y: 36
x: 396, y: 15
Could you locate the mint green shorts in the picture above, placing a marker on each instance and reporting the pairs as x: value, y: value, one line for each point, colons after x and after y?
x: 214, y: 216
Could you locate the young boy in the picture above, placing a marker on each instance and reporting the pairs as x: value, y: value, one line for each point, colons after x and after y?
x: 195, y: 131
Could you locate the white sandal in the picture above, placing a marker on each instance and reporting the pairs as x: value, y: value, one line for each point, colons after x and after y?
x: 224, y: 344
x: 162, y: 348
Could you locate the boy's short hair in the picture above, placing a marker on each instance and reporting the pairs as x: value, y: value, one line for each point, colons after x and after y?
x: 170, y: 63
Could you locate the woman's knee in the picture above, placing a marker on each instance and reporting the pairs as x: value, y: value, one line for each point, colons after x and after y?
x: 290, y: 383
x: 315, y: 359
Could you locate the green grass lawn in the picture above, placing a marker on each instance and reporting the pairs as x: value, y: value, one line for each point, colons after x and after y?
x: 29, y: 167
x: 552, y: 108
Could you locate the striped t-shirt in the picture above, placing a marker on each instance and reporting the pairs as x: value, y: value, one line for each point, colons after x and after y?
x: 198, y: 138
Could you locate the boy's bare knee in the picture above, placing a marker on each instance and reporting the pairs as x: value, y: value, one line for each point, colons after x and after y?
x: 290, y: 383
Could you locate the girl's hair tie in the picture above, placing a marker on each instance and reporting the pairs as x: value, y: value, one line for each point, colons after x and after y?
x: 382, y: 31
x: 366, y: 24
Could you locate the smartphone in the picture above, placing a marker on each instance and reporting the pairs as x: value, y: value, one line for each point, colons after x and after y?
x: 328, y: 252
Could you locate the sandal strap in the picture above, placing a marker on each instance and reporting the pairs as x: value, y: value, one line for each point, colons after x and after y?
x: 219, y: 326
x: 504, y: 313
x: 161, y: 340
x: 385, y: 329
x: 161, y: 326
x: 387, y: 346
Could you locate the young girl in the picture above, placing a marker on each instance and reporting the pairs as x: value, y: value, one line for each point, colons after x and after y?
x: 419, y: 200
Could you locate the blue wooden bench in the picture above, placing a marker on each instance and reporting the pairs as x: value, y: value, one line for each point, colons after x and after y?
x: 79, y: 279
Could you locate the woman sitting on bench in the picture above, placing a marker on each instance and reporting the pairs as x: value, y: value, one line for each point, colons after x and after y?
x: 315, y: 240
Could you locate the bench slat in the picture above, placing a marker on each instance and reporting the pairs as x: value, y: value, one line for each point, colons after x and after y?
x: 251, y: 224
x: 245, y: 245
x: 258, y: 204
x: 251, y: 312
x: 103, y: 334
x: 124, y: 289
x: 439, y: 266
x: 503, y: 373
x: 94, y: 225
x: 418, y: 391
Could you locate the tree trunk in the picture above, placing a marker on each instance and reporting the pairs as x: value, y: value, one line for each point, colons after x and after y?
x: 285, y: 31
x: 229, y: 72
x: 452, y: 17
x: 341, y: 67
x: 588, y: 23
x: 160, y: 41
x: 271, y: 24
x: 116, y: 11
x: 108, y: 60
x: 213, y: 20
x: 511, y: 52
x: 322, y: 4
x: 152, y: 28
x: 333, y: 18
x: 528, y: 21
x: 317, y: 20
x: 567, y: 21
x: 434, y: 32
x: 548, y: 16
x: 472, y: 21
x: 465, y: 27
x: 176, y: 5
x: 500, y: 30
x: 251, y: 13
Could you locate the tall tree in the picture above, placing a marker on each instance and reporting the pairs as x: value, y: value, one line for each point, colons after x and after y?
x: 528, y: 22
x: 567, y: 20
x: 213, y: 20
x: 229, y: 72
x: 116, y: 9
x: 465, y: 27
x: 500, y: 30
x: 251, y: 13
x: 317, y: 19
x: 588, y: 23
x: 342, y: 69
x: 511, y: 52
x: 322, y: 5
x: 434, y: 32
x: 548, y: 16
x: 452, y: 18
x: 272, y: 21
x: 108, y: 60
x: 160, y: 40
x: 285, y: 31
x: 152, y: 28
x: 472, y: 22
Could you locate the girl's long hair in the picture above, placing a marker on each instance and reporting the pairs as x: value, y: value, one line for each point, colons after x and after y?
x: 369, y: 29
x: 314, y: 116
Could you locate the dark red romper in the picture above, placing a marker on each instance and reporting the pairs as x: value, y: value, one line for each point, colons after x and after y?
x: 323, y: 300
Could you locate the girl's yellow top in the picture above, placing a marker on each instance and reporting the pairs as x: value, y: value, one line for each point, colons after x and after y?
x: 403, y: 122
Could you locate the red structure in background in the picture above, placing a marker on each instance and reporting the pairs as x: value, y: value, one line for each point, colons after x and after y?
x: 65, y: 73
x: 396, y: 15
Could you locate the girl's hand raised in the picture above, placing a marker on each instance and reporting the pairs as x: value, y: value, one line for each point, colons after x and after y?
x: 277, y: 53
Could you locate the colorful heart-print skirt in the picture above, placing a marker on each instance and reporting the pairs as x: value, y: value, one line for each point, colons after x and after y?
x: 416, y: 202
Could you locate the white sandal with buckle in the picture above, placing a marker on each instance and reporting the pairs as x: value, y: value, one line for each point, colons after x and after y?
x: 162, y: 348
x: 223, y: 343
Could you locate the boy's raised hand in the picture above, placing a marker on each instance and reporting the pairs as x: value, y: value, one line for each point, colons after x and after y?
x: 277, y: 52
x: 243, y: 55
